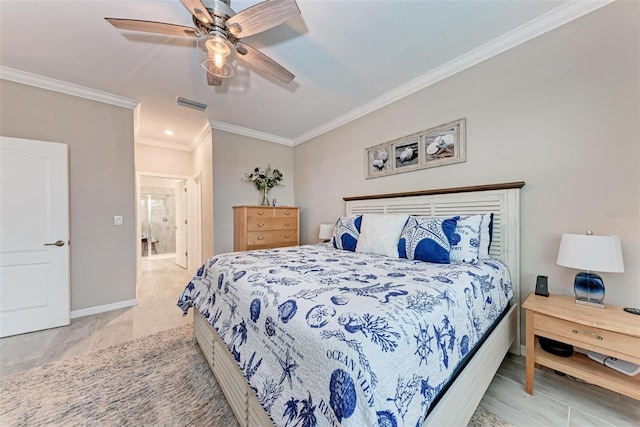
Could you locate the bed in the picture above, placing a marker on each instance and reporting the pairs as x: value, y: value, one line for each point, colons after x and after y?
x: 313, y: 335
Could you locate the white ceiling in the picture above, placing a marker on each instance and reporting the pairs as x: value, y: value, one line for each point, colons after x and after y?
x: 349, y: 58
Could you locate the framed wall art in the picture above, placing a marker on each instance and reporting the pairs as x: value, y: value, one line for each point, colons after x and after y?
x: 437, y: 146
x: 379, y: 160
x: 445, y: 144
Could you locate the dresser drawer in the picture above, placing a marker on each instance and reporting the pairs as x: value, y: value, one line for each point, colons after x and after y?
x: 258, y: 213
x: 286, y: 213
x: 285, y: 238
x: 272, y: 238
x: 588, y: 335
x: 267, y: 224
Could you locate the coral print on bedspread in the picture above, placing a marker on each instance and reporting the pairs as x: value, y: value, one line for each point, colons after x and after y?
x: 326, y: 337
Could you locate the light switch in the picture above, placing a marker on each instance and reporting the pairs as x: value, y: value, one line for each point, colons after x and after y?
x: 117, y: 220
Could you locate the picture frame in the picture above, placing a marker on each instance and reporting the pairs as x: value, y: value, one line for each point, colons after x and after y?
x: 444, y: 144
x: 406, y: 154
x: 378, y: 160
x: 437, y: 146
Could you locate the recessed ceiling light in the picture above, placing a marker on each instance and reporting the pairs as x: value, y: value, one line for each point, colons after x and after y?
x: 168, y: 132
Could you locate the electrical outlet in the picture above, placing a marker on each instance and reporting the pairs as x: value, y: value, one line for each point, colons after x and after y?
x: 117, y: 220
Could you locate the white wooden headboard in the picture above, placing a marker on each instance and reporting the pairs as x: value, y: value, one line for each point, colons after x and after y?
x: 503, y: 200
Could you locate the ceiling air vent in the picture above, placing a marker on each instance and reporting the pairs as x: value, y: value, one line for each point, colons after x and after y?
x: 192, y: 104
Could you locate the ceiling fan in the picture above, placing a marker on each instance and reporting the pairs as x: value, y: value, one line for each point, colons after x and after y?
x: 219, y: 29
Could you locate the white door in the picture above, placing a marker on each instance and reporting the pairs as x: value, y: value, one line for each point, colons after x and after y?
x: 181, y: 224
x: 34, y: 227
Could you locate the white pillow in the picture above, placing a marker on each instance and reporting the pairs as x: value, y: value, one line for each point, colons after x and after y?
x: 379, y: 234
x: 471, y: 238
x: 485, y: 236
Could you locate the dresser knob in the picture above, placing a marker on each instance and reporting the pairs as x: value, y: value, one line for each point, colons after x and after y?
x: 260, y: 238
x: 287, y: 213
x: 260, y: 225
x: 286, y: 237
x: 260, y: 212
x: 286, y: 224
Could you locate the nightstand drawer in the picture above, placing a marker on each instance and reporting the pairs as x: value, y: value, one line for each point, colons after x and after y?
x: 588, y: 335
x: 259, y: 224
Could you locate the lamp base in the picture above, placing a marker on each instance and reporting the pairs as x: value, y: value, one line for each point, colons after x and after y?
x: 589, y: 289
x: 589, y: 303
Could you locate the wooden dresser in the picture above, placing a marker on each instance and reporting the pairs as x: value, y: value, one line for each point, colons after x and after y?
x: 264, y: 227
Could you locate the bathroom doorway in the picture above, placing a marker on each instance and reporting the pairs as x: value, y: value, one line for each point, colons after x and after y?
x: 158, y: 216
x: 162, y: 207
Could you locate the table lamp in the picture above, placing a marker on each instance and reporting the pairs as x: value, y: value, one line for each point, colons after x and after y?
x: 326, y: 232
x: 590, y: 253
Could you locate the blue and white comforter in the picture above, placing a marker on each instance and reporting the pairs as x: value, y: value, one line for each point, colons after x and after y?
x: 328, y: 337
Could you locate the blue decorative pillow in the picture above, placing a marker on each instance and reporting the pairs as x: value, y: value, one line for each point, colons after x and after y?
x: 467, y: 241
x: 427, y: 238
x: 346, y: 232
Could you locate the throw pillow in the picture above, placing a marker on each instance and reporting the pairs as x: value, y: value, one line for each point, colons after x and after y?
x: 346, y: 232
x: 379, y: 234
x: 427, y: 239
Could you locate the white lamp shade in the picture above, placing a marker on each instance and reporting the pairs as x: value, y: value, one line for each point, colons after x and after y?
x: 591, y: 253
x: 326, y: 231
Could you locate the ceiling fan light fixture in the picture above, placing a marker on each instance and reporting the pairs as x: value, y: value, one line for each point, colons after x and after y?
x: 217, y: 55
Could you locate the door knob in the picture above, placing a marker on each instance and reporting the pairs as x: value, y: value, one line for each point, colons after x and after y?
x: 58, y: 243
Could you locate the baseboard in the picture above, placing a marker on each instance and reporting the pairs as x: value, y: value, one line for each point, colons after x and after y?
x: 103, y: 308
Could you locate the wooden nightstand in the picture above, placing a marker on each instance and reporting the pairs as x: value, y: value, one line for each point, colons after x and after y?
x: 609, y: 331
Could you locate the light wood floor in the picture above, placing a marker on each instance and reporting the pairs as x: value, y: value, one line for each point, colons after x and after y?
x: 557, y: 400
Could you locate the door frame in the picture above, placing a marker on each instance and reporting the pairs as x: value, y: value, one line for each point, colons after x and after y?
x: 194, y: 239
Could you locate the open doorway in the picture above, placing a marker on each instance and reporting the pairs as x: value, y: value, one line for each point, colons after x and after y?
x: 168, y: 220
x: 162, y: 218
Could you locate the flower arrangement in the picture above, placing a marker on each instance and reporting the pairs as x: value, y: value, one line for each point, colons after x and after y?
x: 265, y: 180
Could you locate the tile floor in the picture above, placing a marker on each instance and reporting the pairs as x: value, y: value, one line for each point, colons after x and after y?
x: 557, y: 400
x: 161, y: 283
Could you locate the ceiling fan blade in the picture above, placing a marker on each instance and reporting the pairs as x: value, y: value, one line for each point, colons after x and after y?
x: 263, y: 63
x: 198, y: 10
x: 152, y: 27
x: 261, y: 17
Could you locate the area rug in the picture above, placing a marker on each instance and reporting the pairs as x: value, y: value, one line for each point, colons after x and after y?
x: 159, y: 380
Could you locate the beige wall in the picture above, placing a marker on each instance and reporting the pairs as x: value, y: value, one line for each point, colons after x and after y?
x: 101, y: 184
x: 559, y: 112
x: 203, y: 167
x: 234, y: 156
x: 164, y: 161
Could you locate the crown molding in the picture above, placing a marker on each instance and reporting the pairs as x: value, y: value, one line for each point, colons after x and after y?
x: 555, y: 18
x: 201, y: 135
x: 31, y: 79
x: 228, y: 127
